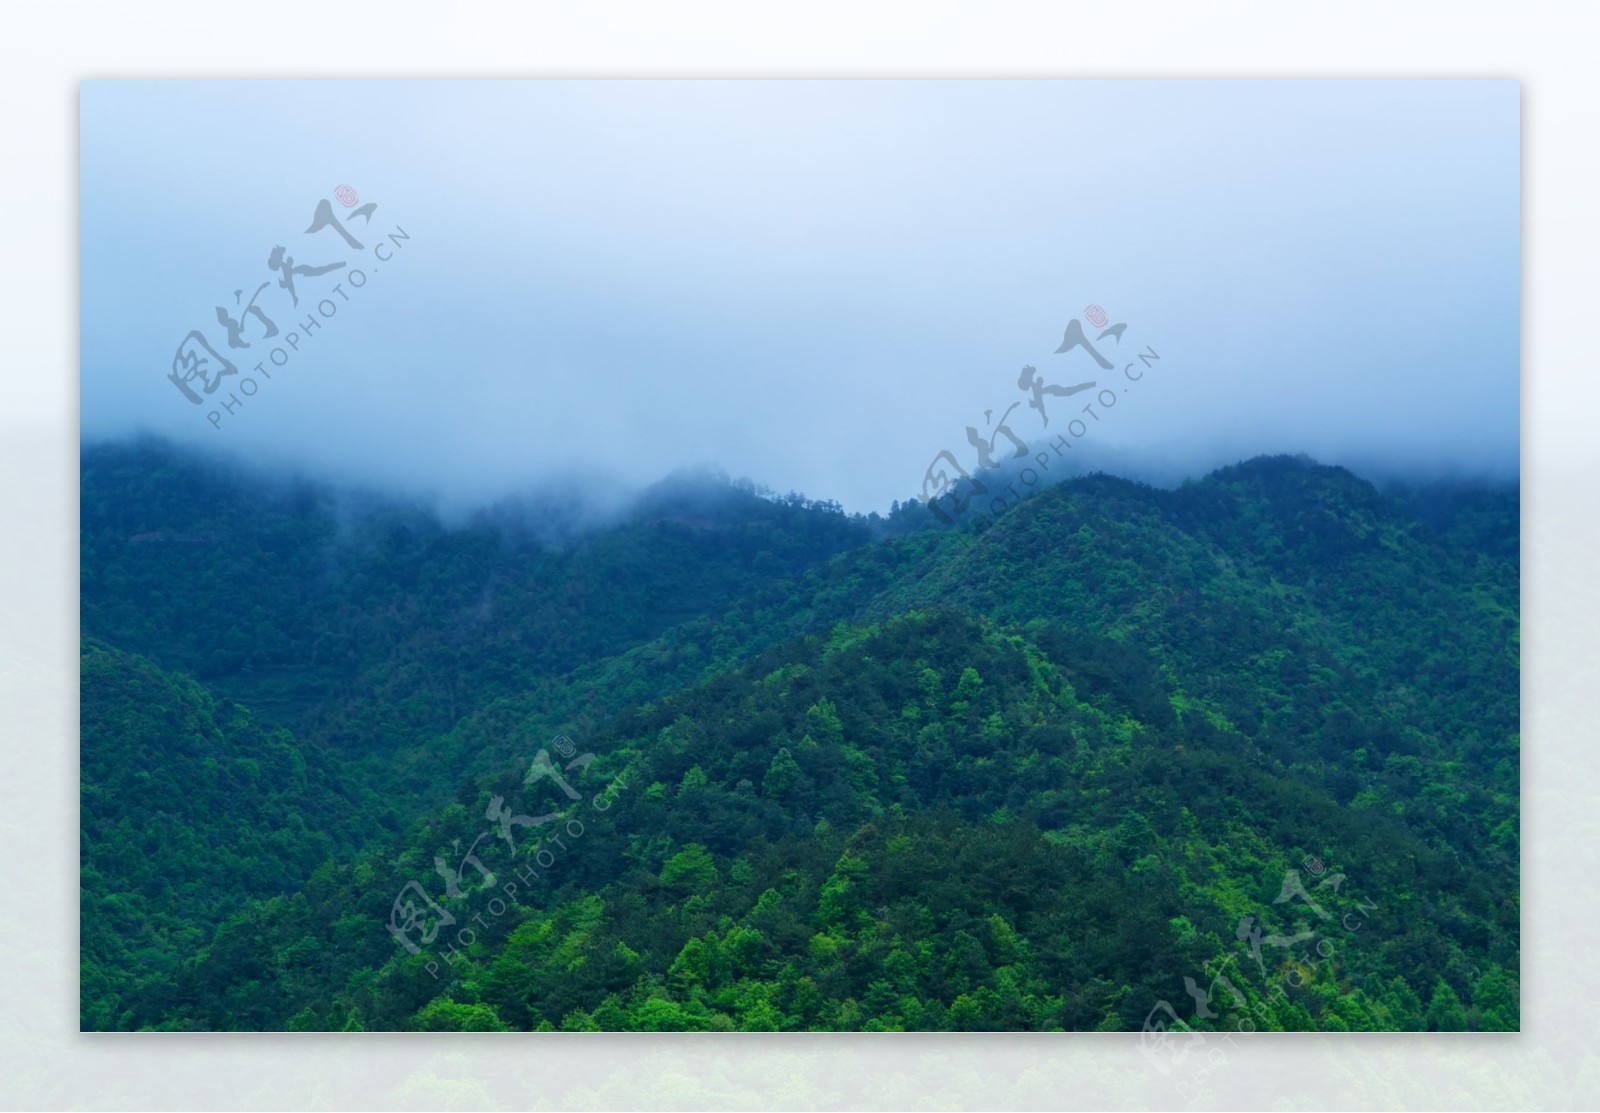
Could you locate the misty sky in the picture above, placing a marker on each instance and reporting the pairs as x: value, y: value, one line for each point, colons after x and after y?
x: 818, y: 285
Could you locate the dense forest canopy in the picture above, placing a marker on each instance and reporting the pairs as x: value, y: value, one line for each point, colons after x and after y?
x: 1247, y: 748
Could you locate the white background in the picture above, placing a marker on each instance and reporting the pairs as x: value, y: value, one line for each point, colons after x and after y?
x: 46, y: 51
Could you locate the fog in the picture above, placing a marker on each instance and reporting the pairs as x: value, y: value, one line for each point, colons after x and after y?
x: 816, y: 285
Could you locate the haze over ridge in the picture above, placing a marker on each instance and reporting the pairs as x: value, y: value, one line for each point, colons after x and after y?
x: 818, y: 285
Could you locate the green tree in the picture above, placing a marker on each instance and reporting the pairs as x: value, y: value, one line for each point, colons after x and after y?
x: 691, y: 869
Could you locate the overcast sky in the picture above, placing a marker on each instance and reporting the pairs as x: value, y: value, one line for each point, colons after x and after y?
x: 818, y: 285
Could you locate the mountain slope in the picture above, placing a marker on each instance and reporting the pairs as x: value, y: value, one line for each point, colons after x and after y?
x: 190, y: 810
x: 1158, y: 702
x: 914, y: 825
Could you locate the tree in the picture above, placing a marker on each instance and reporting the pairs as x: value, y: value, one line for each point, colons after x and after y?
x: 1445, y: 1013
x: 782, y: 774
x: 691, y: 869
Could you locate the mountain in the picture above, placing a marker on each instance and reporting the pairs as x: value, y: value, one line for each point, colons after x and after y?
x: 191, y: 809
x: 857, y: 773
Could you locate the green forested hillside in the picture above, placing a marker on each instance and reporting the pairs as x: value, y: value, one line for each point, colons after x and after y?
x: 855, y: 774
x: 191, y: 810
x: 367, y: 623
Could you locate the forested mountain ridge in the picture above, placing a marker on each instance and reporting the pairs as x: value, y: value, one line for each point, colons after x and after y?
x: 367, y: 623
x: 1164, y: 697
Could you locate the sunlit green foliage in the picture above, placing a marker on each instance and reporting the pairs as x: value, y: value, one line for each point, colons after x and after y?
x: 867, y: 776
